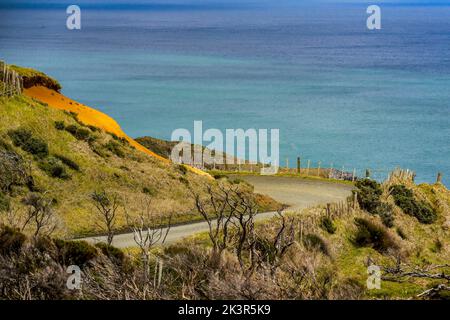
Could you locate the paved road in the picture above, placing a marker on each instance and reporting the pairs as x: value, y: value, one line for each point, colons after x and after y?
x: 298, y: 193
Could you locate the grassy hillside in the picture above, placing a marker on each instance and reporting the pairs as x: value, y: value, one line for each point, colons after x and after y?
x: 66, y: 161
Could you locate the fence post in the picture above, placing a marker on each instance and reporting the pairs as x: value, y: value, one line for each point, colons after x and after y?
x: 367, y: 173
x: 307, y: 170
x: 318, y: 169
x: 354, y: 175
x: 439, y: 177
x: 298, y: 164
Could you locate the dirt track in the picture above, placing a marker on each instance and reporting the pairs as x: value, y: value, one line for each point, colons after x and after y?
x: 298, y: 193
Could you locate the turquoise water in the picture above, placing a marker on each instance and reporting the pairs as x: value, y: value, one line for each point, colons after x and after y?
x: 339, y: 93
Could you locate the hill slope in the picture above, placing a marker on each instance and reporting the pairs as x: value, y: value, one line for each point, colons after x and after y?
x: 51, y: 145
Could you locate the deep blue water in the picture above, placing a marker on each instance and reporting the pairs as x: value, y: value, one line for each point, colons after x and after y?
x: 338, y: 92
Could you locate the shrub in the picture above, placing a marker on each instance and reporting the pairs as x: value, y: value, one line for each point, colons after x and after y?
x: 93, y: 129
x: 24, y: 138
x: 68, y: 162
x: 54, y: 168
x: 114, y: 136
x: 371, y: 234
x: 401, y: 233
x: 114, y: 254
x: 98, y: 150
x: 314, y: 241
x: 115, y: 148
x: 404, y: 198
x: 369, y: 193
x: 79, y: 133
x: 182, y: 168
x: 150, y: 191
x: 75, y: 252
x: 327, y: 224
x: 384, y: 210
x: 11, y: 240
x: 4, y: 202
x: 60, y: 125
x: 13, y: 171
x: 437, y: 246
x: 5, y: 146
x: 219, y: 176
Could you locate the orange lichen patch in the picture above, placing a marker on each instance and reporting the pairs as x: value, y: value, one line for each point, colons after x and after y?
x: 90, y: 116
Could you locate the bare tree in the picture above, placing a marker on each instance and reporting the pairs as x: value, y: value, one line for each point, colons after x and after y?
x: 284, y: 238
x: 107, y: 207
x: 14, y: 171
x: 400, y: 272
x: 214, y: 208
x: 39, y: 213
x: 244, y: 205
x: 149, y: 229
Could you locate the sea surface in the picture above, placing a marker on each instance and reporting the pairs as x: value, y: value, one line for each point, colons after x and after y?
x: 339, y: 93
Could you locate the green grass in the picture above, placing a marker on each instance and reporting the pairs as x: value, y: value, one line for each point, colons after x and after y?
x: 33, y: 77
x: 95, y: 172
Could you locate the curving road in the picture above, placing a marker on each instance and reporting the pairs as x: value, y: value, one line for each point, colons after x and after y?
x: 295, y: 192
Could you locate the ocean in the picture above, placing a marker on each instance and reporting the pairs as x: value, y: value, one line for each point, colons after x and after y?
x: 339, y: 93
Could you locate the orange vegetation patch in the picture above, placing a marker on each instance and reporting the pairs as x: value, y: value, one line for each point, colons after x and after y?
x: 89, y: 116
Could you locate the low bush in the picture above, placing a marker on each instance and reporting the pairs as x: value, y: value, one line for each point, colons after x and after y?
x: 404, y: 199
x: 327, y: 224
x: 75, y: 252
x: 24, y: 139
x: 14, y: 171
x: 384, y: 210
x: 182, y: 169
x: 114, y: 254
x: 68, y: 162
x: 401, y: 233
x: 369, y: 193
x: 54, y: 168
x: 315, y: 242
x: 369, y: 199
x: 5, y: 146
x: 79, y: 133
x: 115, y: 148
x: 151, y: 191
x: 11, y: 240
x: 93, y: 129
x: 60, y: 125
x: 4, y: 202
x: 372, y: 234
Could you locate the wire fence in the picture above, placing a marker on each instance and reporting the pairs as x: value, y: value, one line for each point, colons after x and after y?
x: 309, y: 168
x: 11, y: 83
